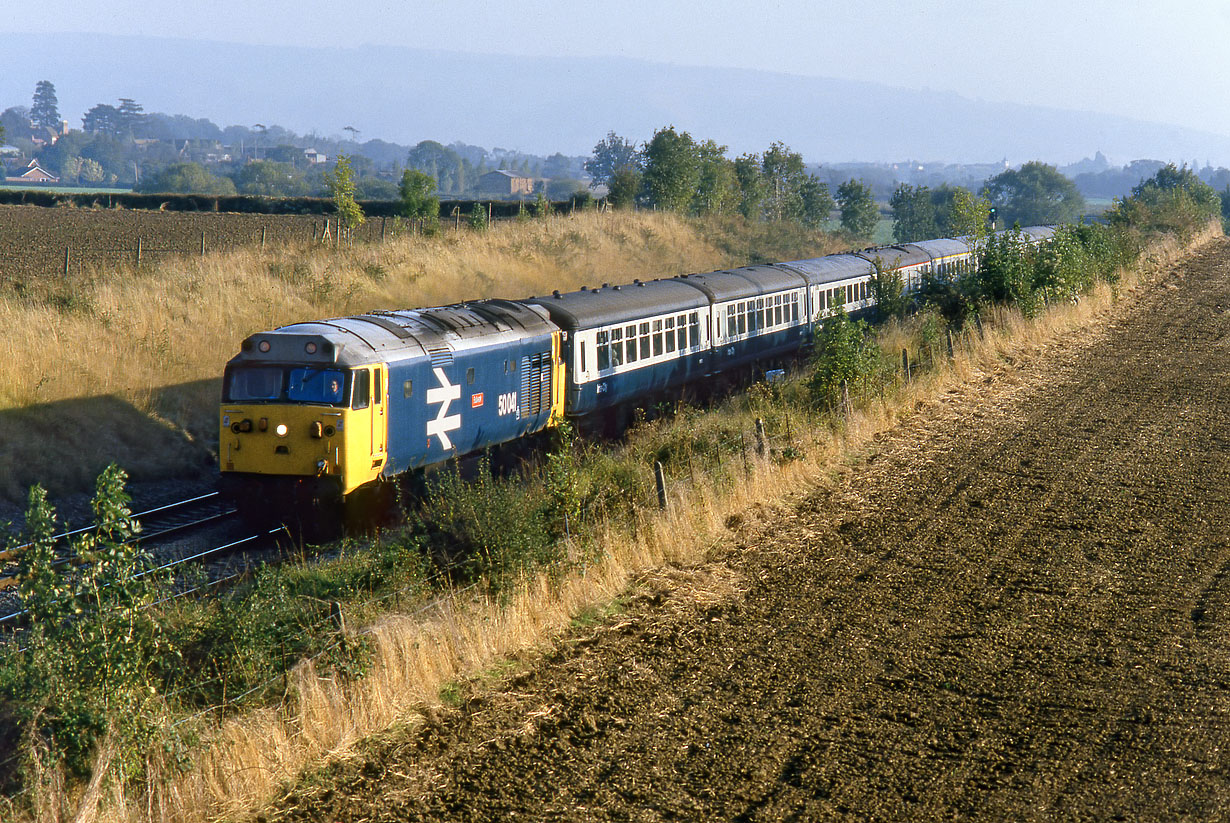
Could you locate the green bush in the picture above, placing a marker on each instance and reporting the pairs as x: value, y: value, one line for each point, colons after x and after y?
x: 846, y: 354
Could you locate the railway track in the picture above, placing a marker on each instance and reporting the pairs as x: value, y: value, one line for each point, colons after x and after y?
x: 167, y: 531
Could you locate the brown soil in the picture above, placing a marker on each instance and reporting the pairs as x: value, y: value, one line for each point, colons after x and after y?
x: 1016, y: 606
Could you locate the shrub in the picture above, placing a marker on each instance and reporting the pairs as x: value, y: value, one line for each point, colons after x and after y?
x: 846, y: 354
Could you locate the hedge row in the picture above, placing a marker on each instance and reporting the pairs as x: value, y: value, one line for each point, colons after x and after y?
x: 247, y: 204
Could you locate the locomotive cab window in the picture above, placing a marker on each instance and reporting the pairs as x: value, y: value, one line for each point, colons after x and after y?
x: 470, y: 376
x: 362, y: 389
x: 254, y: 383
x: 407, y: 388
x: 379, y: 393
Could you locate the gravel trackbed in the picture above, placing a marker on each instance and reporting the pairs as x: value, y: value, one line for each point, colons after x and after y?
x: 1015, y: 606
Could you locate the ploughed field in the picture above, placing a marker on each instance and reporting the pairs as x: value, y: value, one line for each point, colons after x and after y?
x: 1016, y: 605
x: 33, y: 239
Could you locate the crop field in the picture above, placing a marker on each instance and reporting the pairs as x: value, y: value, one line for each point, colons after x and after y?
x: 40, y: 242
x: 1014, y: 606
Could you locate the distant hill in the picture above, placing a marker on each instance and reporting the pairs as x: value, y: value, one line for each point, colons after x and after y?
x: 545, y: 105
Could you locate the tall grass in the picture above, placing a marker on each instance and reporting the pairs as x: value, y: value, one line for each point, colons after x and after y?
x: 716, y: 478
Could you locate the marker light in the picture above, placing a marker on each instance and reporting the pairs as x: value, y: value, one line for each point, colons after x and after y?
x: 264, y: 345
x: 281, y: 430
x: 310, y: 348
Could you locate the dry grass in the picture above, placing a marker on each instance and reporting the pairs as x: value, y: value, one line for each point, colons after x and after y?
x: 124, y: 365
x: 251, y: 758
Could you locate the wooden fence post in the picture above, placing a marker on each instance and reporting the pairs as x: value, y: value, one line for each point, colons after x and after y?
x: 138, y: 252
x: 759, y: 437
x: 660, y: 478
x: 202, y: 244
x: 66, y: 259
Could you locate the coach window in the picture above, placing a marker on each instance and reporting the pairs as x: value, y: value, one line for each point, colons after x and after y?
x: 657, y: 338
x: 644, y: 341
x: 379, y: 393
x: 582, y: 357
x: 617, y: 347
x: 763, y: 314
x: 630, y: 344
x: 732, y: 325
x: 741, y: 318
x: 794, y: 308
x: 604, y: 350
x: 362, y: 389
x: 680, y: 329
x: 693, y: 328
x: 670, y: 334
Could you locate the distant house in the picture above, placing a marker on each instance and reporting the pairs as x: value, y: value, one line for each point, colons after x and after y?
x: 505, y: 183
x: 34, y: 173
x: 9, y: 151
x: 313, y: 157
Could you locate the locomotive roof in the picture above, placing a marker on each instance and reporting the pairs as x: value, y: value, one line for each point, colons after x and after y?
x: 397, y: 335
x: 831, y: 268
x: 747, y: 281
x: 588, y: 308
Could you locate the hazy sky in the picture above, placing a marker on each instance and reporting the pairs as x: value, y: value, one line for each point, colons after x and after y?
x: 1161, y: 61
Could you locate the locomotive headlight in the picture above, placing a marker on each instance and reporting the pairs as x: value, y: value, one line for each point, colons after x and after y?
x: 310, y: 348
x: 281, y: 430
x: 264, y: 346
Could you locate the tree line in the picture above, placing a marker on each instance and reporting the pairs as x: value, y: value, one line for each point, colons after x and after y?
x: 673, y: 171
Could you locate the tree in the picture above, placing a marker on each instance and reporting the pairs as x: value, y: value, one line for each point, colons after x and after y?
x: 783, y: 172
x: 914, y: 214
x: 968, y: 216
x: 816, y: 201
x: 672, y: 169
x: 131, y: 117
x: 612, y: 155
x: 624, y: 187
x: 101, y: 119
x: 341, y: 187
x: 444, y: 165
x: 186, y: 178
x: 416, y: 194
x: 45, y: 112
x: 1036, y: 194
x: 718, y: 189
x: 268, y: 178
x: 859, y: 214
x: 91, y: 172
x: 751, y: 186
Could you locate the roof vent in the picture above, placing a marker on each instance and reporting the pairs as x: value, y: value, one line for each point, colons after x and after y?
x: 555, y: 294
x: 606, y: 285
x: 615, y: 288
x: 639, y: 283
x: 636, y: 280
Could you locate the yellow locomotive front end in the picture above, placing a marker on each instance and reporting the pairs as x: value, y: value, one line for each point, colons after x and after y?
x: 297, y: 438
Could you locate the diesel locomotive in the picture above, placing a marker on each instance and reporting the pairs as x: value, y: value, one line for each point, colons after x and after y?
x: 318, y: 413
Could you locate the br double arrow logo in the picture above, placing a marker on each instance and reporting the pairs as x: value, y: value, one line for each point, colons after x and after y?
x: 444, y: 422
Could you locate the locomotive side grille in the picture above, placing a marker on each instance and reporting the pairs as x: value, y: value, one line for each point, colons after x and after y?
x: 535, y: 384
x: 440, y: 356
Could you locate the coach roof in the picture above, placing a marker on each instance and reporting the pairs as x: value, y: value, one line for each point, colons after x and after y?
x: 589, y: 308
